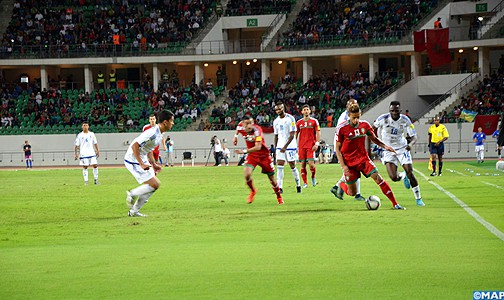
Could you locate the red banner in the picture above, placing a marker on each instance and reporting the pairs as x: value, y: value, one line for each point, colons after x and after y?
x: 419, y: 40
x: 488, y: 123
x: 437, y: 46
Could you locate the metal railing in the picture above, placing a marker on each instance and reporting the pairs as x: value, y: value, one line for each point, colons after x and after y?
x: 451, y: 91
x: 401, y: 81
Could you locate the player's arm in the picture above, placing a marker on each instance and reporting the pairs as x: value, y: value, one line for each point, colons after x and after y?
x: 317, y: 140
x: 136, y: 153
x: 276, y: 140
x: 164, y: 144
x: 257, y: 147
x: 379, y: 142
x: 76, y: 152
x: 289, y: 140
x: 235, y: 138
x: 152, y: 160
x: 430, y: 139
x: 97, y: 150
x: 411, y: 143
x: 339, y: 155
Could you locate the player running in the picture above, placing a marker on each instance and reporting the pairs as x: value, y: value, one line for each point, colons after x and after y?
x: 343, y: 118
x: 257, y: 155
x: 353, y: 157
x: 308, y: 131
x: 479, y: 138
x: 284, y: 128
x: 393, y: 125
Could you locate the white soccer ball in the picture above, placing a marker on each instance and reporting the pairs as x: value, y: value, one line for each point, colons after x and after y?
x: 500, y: 165
x: 373, y: 202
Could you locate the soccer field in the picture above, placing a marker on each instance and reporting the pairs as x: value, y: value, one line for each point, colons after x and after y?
x: 60, y: 239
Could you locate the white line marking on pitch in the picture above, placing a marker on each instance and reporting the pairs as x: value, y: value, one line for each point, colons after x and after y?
x: 494, y: 185
x: 462, y: 174
x: 469, y: 210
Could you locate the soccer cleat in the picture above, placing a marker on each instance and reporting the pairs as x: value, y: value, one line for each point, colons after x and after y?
x: 298, y: 189
x: 251, y: 196
x: 337, y: 192
x: 359, y: 197
x: 305, y: 186
x: 280, y: 200
x: 314, y: 181
x: 419, y: 202
x: 129, y: 199
x: 406, y: 182
x: 433, y: 173
x: 136, y: 214
x: 281, y: 191
x: 399, y: 207
x: 439, y: 174
x: 96, y: 182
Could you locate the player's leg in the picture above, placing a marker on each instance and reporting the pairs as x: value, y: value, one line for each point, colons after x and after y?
x: 499, y: 152
x: 433, y: 158
x: 148, y: 188
x: 31, y: 161
x: 482, y: 154
x: 94, y: 163
x: 85, y: 170
x: 385, y: 188
x: 269, y: 169
x: 27, y: 163
x: 304, y: 174
x: 477, y: 150
x: 313, y: 171
x: 415, y: 187
x: 291, y: 158
x: 247, y: 173
x: 280, y: 159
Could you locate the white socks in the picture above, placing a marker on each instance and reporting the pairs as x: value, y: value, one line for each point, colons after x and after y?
x: 357, y: 185
x: 295, y: 173
x: 142, y: 199
x: 95, y: 173
x: 85, y: 174
x: 416, y: 192
x: 280, y: 176
x: 140, y: 190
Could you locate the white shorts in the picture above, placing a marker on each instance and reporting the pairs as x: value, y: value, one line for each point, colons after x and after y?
x: 479, y: 148
x: 403, y: 157
x: 288, y: 155
x: 88, y: 161
x: 140, y: 174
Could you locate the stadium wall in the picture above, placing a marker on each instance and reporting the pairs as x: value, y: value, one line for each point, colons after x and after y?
x: 58, y: 150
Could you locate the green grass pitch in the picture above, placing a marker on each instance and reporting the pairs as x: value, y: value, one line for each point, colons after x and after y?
x: 60, y: 239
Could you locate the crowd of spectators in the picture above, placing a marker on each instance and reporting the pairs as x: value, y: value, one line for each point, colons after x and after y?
x: 326, y: 93
x: 323, y: 20
x: 485, y: 99
x: 92, y: 24
x: 123, y: 110
x: 257, y: 7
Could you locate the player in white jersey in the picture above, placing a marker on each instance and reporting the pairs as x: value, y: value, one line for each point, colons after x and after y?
x: 140, y: 161
x: 284, y: 128
x: 394, y: 126
x: 86, y: 150
x: 343, y: 118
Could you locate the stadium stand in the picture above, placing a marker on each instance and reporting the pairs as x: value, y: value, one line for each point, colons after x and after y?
x: 258, y: 7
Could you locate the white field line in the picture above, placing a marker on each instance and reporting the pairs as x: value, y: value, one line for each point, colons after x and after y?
x: 455, y: 171
x: 469, y: 210
x: 494, y: 185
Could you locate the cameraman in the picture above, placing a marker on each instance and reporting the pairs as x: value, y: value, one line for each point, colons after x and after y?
x: 217, y: 147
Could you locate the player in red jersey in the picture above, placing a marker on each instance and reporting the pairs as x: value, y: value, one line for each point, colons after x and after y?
x: 308, y: 131
x: 152, y: 123
x: 257, y: 155
x: 351, y: 151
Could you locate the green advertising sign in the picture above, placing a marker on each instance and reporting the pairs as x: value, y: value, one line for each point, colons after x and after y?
x: 481, y: 7
x: 252, y: 22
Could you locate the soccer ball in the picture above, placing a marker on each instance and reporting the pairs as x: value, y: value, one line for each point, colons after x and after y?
x: 500, y: 165
x: 373, y: 202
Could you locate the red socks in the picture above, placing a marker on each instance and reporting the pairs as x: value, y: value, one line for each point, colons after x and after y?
x: 251, y: 185
x: 387, y: 191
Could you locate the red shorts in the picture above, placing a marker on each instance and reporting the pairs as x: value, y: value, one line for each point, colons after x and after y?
x: 366, y: 167
x: 265, y: 162
x: 306, y: 154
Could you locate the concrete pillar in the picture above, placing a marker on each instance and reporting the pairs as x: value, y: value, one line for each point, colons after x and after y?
x: 416, y: 64
x: 199, y: 73
x: 307, y: 69
x: 265, y: 70
x: 43, y: 78
x: 155, y: 77
x: 373, y: 66
x: 483, y: 61
x: 88, y: 79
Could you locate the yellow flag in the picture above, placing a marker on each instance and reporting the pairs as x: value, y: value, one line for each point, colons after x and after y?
x: 430, y: 164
